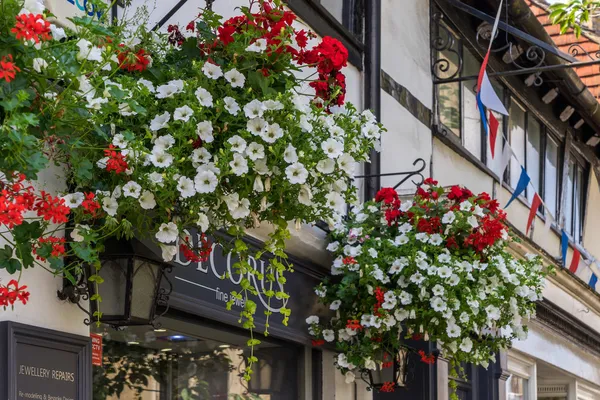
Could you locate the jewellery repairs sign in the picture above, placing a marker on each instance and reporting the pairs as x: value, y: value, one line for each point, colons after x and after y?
x: 39, y: 364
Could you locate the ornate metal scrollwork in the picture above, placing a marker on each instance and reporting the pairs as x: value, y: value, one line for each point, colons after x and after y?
x: 162, y: 298
x: 76, y: 293
x: 576, y: 50
x: 484, y: 35
x: 442, y: 40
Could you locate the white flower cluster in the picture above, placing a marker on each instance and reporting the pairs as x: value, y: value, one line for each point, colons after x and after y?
x: 409, y: 278
x: 279, y: 151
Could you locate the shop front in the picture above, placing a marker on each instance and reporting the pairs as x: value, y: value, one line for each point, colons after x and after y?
x: 196, y: 348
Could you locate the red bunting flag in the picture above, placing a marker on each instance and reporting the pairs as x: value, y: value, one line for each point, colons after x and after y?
x: 575, y: 261
x: 493, y: 122
x: 535, y: 204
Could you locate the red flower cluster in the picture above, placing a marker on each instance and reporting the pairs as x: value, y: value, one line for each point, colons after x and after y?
x: 330, y: 56
x: 202, y: 254
x: 12, y: 293
x: 349, y: 260
x: 391, y: 203
x: 379, y: 296
x: 459, y: 194
x: 16, y: 199
x: 90, y: 205
x: 427, y: 358
x: 57, y: 245
x: 32, y: 27
x: 318, y: 342
x: 387, y: 195
x: 116, y: 161
x: 353, y: 324
x: 8, y: 68
x: 134, y: 62
x: 175, y: 37
x: 52, y: 208
x: 430, y: 225
x: 488, y: 233
x: 388, y: 387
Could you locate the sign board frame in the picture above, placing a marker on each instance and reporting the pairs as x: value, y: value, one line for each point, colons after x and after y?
x: 13, y: 335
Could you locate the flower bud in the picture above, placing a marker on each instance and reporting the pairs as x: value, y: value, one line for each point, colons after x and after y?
x: 298, y: 224
x: 258, y: 185
x: 263, y: 203
x: 268, y: 184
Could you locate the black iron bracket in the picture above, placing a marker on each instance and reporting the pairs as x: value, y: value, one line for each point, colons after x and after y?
x: 406, y: 174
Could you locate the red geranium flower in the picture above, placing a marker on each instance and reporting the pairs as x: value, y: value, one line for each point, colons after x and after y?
x: 132, y: 62
x: 32, y: 27
x: 8, y: 69
x: 353, y: 324
x: 318, y: 342
x: 90, y: 204
x: 427, y: 358
x: 116, y: 162
x: 387, y: 195
x: 388, y: 387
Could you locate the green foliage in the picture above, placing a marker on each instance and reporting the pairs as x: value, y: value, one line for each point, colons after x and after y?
x: 572, y: 14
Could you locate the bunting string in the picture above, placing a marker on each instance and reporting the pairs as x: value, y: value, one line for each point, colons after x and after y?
x: 487, y: 102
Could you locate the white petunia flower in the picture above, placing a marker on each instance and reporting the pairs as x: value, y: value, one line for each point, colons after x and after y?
x: 305, y: 195
x: 466, y: 205
x: 162, y: 143
x: 296, y: 173
x: 448, y: 218
x: 254, y: 109
x: 289, y: 155
x: 206, y: 182
x: 87, y: 51
x: 273, y: 105
x: 272, y: 133
x: 149, y: 85
x: 326, y: 166
x: 212, y: 71
x: 438, y: 304
x: 132, y: 189
x: 161, y: 159
x: 256, y: 126
x: 186, y: 187
x: 166, y: 91
x: 167, y: 232
x: 453, y: 280
x: 335, y: 305
x: 39, y: 64
x: 110, y: 205
x: 346, y: 163
x: 472, y: 220
x: 444, y: 272
x: 57, y: 33
x: 183, y: 113
x: 156, y: 178
x: 235, y: 78
x: 238, y: 144
x: 405, y: 298
x: 204, y: 97
x: 398, y: 265
x: 239, y: 165
x: 453, y: 330
x: 168, y: 252
x: 78, y: 231
x: 305, y: 124
x: 401, y: 240
x: 255, y: 151
x: 203, y: 222
x: 328, y: 335
x: 258, y: 46
x: 147, y: 201
x: 231, y: 105
x: 466, y: 345
x: 335, y: 201
x: 74, y: 200
x: 332, y: 148
x: 204, y: 130
x: 436, y: 239
x: 201, y: 156
x: 160, y: 121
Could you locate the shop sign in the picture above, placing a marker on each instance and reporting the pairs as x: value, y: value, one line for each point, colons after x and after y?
x: 96, y: 349
x: 213, y: 281
x: 65, y: 9
x: 43, y: 364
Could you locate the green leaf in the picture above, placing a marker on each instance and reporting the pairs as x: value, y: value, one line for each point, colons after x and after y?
x: 83, y: 168
x: 27, y: 231
x: 190, y: 48
x: 24, y: 253
x: 260, y: 82
x: 7, y: 262
x: 56, y: 263
x: 84, y: 252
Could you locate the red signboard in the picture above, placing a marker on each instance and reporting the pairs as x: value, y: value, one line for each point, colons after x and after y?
x: 96, y: 349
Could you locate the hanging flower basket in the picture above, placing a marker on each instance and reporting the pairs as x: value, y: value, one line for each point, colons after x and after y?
x: 435, y: 267
x: 157, y: 133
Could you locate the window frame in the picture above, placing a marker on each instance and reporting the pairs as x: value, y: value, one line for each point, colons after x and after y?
x: 525, y: 368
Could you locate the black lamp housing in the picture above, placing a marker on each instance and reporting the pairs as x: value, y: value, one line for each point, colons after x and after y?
x: 135, y: 287
x: 393, y: 368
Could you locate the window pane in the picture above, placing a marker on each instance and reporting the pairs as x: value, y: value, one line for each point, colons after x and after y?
x: 349, y: 13
x: 517, y: 388
x: 579, y: 198
x: 551, y: 176
x: 471, y: 118
x: 449, y: 101
x: 189, y: 361
x: 494, y: 164
x: 533, y: 155
x: 516, y: 127
x: 569, y: 202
